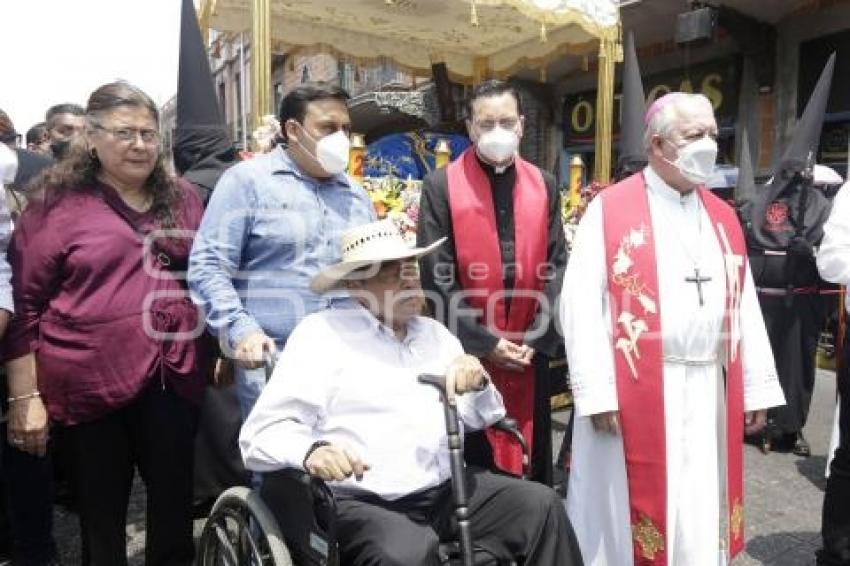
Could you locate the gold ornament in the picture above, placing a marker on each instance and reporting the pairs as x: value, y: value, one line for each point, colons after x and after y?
x: 736, y: 518
x: 648, y: 537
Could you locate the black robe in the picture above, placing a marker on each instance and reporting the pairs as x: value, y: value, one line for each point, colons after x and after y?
x: 435, y: 221
x: 793, y: 320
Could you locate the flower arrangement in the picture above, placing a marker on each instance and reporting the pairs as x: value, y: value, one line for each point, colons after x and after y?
x: 572, y: 214
x: 397, y: 200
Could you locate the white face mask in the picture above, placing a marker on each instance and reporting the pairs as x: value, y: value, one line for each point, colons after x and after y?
x: 498, y: 145
x: 696, y: 160
x: 331, y: 151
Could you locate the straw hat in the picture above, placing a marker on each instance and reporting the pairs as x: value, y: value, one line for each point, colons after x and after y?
x: 369, y: 244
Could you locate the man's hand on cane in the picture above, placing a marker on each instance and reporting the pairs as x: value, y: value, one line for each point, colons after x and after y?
x: 251, y: 350
x: 464, y: 374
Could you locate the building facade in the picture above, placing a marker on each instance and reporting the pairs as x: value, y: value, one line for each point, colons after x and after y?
x: 230, y: 60
x: 758, y: 69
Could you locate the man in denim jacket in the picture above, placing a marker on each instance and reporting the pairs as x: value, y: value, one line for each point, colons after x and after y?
x: 271, y: 224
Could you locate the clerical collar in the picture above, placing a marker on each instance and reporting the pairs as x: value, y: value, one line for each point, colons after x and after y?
x: 497, y: 170
x: 660, y: 188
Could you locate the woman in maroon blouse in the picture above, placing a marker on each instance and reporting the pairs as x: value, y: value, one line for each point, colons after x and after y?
x: 105, y: 340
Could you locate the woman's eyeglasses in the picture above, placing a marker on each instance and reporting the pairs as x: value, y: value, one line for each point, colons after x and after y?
x: 129, y: 135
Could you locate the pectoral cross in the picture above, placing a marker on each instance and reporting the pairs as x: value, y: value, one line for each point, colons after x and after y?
x: 699, y: 281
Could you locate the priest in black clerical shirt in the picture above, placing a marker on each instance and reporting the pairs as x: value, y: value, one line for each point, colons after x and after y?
x: 495, y: 281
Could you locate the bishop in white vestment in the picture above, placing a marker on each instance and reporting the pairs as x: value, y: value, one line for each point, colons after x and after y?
x: 691, y: 297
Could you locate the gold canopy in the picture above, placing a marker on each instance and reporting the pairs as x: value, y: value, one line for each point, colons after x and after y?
x: 476, y: 39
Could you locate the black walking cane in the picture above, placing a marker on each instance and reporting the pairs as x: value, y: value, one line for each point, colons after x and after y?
x: 458, y: 468
x: 269, y: 361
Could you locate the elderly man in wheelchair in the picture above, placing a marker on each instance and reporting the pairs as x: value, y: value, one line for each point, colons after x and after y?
x: 345, y: 403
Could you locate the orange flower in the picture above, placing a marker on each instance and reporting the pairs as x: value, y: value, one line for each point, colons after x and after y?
x: 381, y: 209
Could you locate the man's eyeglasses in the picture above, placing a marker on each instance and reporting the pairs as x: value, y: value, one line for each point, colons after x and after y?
x: 129, y: 135
x: 504, y: 123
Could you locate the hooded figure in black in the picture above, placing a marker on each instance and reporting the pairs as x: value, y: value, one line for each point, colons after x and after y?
x: 632, y: 156
x: 203, y: 151
x: 785, y: 228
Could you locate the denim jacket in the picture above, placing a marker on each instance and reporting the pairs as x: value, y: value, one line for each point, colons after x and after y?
x: 268, y: 229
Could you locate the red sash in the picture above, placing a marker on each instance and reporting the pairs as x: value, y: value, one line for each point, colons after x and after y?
x: 639, y: 367
x: 479, y: 261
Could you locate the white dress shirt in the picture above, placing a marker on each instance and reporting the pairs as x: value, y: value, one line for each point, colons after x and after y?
x: 345, y: 378
x: 833, y: 256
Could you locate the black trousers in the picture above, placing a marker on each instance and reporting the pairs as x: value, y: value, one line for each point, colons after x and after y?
x: 793, y: 328
x: 541, y: 455
x: 835, y: 528
x: 508, y: 517
x: 218, y: 462
x: 156, y: 434
x: 29, y: 500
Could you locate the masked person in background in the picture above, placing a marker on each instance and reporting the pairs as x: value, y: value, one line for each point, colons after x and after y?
x: 495, y: 281
x: 64, y: 123
x: 271, y: 224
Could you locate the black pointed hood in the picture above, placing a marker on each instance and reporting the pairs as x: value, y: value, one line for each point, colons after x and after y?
x: 791, y: 173
x: 746, y: 185
x: 202, y: 146
x: 632, y: 153
x: 745, y: 188
x: 808, y: 129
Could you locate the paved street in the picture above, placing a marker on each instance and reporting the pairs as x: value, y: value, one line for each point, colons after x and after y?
x: 784, y: 492
x: 784, y: 495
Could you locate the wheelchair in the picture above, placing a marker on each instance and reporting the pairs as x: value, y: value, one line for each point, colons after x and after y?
x: 290, y: 520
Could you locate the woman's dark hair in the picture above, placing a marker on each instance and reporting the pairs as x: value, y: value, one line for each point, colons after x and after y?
x: 294, y: 105
x: 492, y: 88
x: 78, y: 171
x: 7, y: 129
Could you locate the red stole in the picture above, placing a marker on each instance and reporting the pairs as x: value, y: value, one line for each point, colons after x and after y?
x: 479, y: 260
x: 639, y: 365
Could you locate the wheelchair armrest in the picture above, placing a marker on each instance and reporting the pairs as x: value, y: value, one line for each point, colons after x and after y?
x: 507, y: 424
x: 510, y: 427
x: 305, y: 509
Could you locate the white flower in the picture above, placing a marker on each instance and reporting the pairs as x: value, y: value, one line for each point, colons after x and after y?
x: 637, y: 238
x: 647, y: 304
x: 622, y: 262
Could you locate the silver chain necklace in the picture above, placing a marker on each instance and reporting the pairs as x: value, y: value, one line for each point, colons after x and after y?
x: 697, y: 279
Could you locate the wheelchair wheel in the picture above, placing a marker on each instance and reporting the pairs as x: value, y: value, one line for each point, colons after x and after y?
x: 241, y: 531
